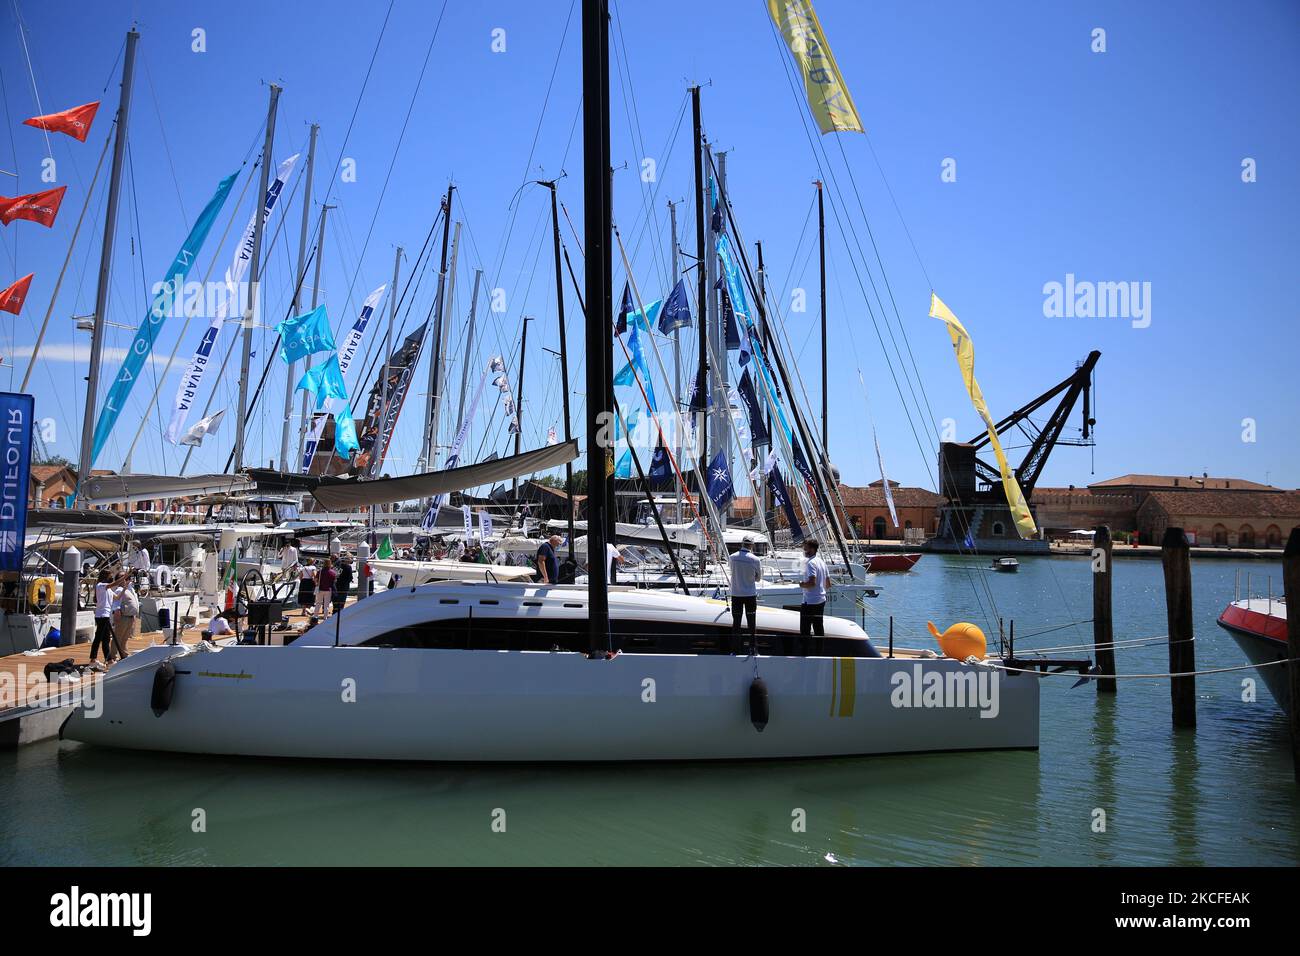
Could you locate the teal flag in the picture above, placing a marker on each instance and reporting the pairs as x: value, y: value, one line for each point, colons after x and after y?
x: 345, y: 433
x: 304, y: 334
x: 325, y: 381
x: 163, y: 305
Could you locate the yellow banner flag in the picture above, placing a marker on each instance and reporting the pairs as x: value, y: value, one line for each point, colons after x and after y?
x: 828, y: 98
x: 965, y: 349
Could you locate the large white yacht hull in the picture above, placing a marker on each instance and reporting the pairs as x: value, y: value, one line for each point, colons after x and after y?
x: 480, y: 705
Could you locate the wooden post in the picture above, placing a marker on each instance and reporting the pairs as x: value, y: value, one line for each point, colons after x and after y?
x: 1103, y: 631
x: 1176, y: 558
x: 1291, y: 585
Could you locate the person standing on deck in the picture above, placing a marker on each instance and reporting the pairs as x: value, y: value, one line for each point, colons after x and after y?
x: 325, y: 588
x: 814, y: 583
x: 289, y: 559
x: 746, y: 572
x: 548, y: 565
x: 615, y: 558
x: 307, y: 586
x: 126, y: 615
x: 103, y: 616
x: 343, y: 583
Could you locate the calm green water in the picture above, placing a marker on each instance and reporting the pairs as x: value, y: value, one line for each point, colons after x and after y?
x: 1223, y: 794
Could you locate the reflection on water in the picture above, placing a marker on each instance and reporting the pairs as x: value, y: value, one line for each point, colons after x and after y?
x: 1220, y: 795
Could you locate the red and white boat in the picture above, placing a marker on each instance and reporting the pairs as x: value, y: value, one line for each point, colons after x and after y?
x: 1258, y: 625
x: 891, y: 561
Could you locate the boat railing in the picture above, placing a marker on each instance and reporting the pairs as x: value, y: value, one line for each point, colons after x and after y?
x: 1265, y: 594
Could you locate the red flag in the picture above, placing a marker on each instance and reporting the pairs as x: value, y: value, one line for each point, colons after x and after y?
x: 36, y: 207
x: 75, y: 122
x: 12, y: 298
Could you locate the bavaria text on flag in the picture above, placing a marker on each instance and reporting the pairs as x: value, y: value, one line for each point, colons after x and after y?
x: 828, y: 98
x: 34, y: 207
x: 965, y: 351
x: 147, y: 334
x: 719, y: 487
x: 12, y: 298
x: 75, y: 122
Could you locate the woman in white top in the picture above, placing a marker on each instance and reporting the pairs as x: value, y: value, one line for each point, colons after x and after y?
x: 126, y: 615
x: 104, y: 616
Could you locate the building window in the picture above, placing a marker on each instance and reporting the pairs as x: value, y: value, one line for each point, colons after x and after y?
x: 878, y: 527
x: 1220, y: 536
x: 998, y: 529
x: 1246, y: 536
x: 1273, y: 537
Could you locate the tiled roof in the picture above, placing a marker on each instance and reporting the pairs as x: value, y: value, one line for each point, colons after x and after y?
x: 1226, y: 504
x: 1194, y: 482
x: 43, y: 473
x: 874, y: 497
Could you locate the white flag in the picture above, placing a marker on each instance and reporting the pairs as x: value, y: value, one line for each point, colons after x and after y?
x: 469, y: 526
x: 202, y: 428
x: 484, y: 526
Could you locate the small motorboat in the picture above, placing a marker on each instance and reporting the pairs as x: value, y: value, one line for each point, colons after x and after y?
x: 1258, y: 625
x: 891, y: 561
x: 1006, y: 565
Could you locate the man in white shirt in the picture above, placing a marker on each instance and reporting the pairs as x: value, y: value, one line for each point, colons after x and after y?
x: 288, y: 558
x: 746, y: 572
x: 139, y: 560
x: 815, y: 582
x: 614, y: 557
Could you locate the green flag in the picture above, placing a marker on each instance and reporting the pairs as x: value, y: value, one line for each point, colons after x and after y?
x: 385, y: 548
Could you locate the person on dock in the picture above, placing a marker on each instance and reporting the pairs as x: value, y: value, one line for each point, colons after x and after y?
x: 325, y: 588
x: 746, y: 572
x: 548, y: 564
x: 307, y: 586
x: 126, y: 615
x: 343, y: 582
x: 104, y: 615
x: 289, y: 559
x: 813, y: 610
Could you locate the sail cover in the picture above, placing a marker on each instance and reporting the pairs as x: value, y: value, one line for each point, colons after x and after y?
x: 117, y: 489
x: 343, y: 494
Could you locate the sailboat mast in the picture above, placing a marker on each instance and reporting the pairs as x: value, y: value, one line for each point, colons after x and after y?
x: 700, y: 258
x: 598, y: 215
x: 86, y: 459
x: 435, y: 357
x: 388, y: 345
x: 677, y: 352
x: 564, y: 354
x: 519, y: 397
x: 469, y: 348
x: 303, y: 231
x: 315, y: 301
x: 254, y: 276
x: 821, y: 257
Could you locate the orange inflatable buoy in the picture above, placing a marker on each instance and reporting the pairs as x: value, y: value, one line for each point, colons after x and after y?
x: 961, y: 641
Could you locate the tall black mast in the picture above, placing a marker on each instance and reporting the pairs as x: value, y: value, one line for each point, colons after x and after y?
x: 702, y: 274
x: 821, y: 255
x: 598, y: 215
x: 564, y: 351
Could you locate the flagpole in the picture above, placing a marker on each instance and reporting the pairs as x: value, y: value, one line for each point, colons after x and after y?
x: 435, y: 357
x: 702, y: 446
x: 315, y: 300
x: 677, y: 352
x: 255, y: 274
x: 303, y: 231
x: 86, y: 459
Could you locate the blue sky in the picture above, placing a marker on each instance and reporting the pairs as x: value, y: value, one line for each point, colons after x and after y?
x: 1117, y: 166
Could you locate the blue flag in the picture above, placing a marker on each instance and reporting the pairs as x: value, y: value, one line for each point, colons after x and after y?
x: 626, y: 376
x: 164, y: 303
x: 781, y: 498
x: 345, y: 432
x: 624, y: 310
x: 758, y: 430
x: 305, y: 334
x: 16, y: 410
x: 676, y: 313
x: 659, y: 468
x: 720, y: 488
x: 325, y: 381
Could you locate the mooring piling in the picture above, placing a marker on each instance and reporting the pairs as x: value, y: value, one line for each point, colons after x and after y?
x: 1176, y: 558
x: 1103, y: 630
x: 1291, y: 590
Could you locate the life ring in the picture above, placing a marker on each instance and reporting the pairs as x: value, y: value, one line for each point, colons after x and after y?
x: 41, y: 592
